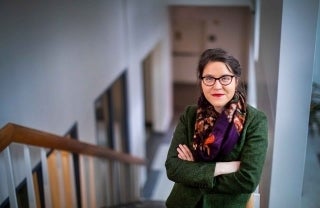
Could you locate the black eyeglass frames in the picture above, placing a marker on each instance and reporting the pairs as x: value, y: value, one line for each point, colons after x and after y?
x: 224, y: 80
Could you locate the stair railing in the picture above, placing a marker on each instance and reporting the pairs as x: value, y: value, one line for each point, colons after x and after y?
x: 122, y: 169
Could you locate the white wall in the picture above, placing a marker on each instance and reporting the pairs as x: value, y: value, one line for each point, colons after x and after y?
x: 297, y: 50
x: 284, y: 69
x: 316, y: 69
x: 151, y: 18
x: 56, y: 59
x: 267, y: 67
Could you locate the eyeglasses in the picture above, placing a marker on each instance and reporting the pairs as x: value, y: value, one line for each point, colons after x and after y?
x: 210, y: 80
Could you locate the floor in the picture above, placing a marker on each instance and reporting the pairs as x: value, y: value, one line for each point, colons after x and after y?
x: 158, y: 186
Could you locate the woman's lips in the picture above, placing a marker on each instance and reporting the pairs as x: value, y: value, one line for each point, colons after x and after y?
x: 217, y: 95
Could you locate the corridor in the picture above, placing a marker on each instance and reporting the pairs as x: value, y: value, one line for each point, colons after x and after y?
x: 158, y: 186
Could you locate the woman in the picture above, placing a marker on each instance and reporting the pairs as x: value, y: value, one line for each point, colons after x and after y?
x: 219, y: 147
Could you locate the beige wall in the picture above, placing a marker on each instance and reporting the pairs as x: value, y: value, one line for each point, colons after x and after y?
x: 192, y: 28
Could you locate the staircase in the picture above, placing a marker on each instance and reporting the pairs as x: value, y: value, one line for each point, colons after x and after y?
x: 40, y: 169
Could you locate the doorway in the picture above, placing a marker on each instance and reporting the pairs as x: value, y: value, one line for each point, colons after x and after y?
x: 147, y: 89
x: 111, y: 116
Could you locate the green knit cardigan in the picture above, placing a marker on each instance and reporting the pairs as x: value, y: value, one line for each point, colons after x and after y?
x: 194, y: 181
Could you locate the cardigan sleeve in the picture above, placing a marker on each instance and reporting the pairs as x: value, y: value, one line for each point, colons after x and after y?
x: 252, y: 158
x: 196, y: 174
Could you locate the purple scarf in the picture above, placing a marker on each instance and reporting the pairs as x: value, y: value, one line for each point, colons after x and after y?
x: 216, y: 134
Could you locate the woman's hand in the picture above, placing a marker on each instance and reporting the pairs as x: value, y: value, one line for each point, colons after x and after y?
x: 221, y: 168
x: 226, y: 167
x: 184, y: 153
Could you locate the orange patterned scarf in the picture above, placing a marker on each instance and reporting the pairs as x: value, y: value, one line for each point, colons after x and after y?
x: 216, y: 134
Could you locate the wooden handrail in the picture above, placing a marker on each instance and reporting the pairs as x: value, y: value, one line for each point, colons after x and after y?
x: 24, y: 135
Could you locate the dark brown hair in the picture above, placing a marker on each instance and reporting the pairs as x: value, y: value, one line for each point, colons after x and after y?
x: 220, y: 55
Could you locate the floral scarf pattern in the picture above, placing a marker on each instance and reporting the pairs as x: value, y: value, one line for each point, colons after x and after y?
x: 216, y: 134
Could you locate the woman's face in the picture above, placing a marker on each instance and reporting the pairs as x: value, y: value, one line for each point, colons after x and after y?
x: 217, y: 94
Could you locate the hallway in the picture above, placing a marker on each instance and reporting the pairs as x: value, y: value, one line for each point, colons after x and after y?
x: 158, y: 186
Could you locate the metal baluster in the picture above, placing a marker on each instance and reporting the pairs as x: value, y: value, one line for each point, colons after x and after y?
x: 10, y: 179
x: 28, y: 168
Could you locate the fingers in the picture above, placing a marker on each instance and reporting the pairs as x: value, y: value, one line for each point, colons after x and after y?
x: 184, y: 153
